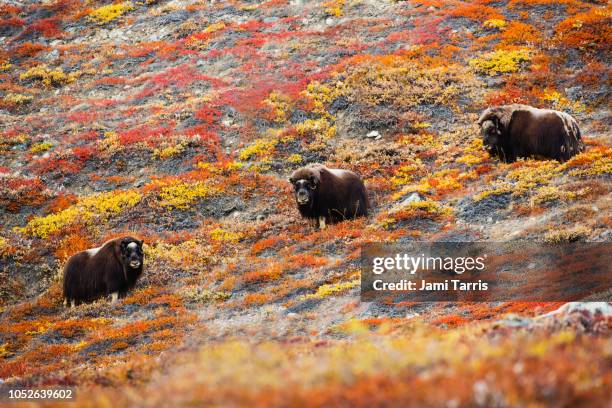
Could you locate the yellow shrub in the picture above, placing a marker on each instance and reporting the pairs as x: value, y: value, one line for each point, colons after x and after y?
x: 474, y: 153
x: 324, y: 291
x: 559, y: 101
x: 5, y: 65
x: 206, y: 295
x: 470, y: 159
x: 4, y: 247
x: 98, y: 207
x: 169, y: 151
x: 214, y: 27
x: 321, y: 129
x: 221, y: 168
x: 110, y: 12
x: 281, y: 105
x: 445, y: 180
x: 334, y: 7
x: 323, y: 95
x: 4, y: 352
x: 494, y: 23
x: 295, y: 158
x: 179, y: 194
x: 549, y: 193
x: 41, y: 147
x: 113, y: 202
x: 407, y: 173
x: 16, y: 99
x: 520, y: 181
x: 408, y: 83
x: 259, y: 148
x: 49, y: 77
x: 110, y: 143
x: 182, y: 255
x: 566, y: 235
x: 429, y: 206
x: 221, y: 235
x: 593, y: 162
x: 500, y: 61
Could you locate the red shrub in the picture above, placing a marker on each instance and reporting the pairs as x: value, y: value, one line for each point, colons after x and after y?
x: 83, y: 117
x: 12, y: 22
x: 7, y: 9
x: 27, y: 49
x: 84, y: 153
x: 48, y: 27
x: 143, y: 134
x: 209, y: 115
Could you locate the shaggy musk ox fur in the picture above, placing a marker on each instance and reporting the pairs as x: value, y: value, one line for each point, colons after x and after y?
x: 112, y: 269
x: 512, y: 131
x: 329, y: 195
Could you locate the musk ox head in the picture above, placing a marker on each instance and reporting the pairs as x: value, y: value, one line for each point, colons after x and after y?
x: 305, y: 183
x: 131, y: 252
x: 491, y: 133
x: 493, y: 123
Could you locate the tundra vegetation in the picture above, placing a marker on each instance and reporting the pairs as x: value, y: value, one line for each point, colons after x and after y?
x: 180, y: 121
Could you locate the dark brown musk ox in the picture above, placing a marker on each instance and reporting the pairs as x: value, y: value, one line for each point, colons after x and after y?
x: 111, y: 269
x: 329, y: 195
x: 513, y: 131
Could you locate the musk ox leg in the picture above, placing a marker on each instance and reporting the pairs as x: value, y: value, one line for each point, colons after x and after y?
x: 322, y: 222
x: 65, y: 302
x: 72, y: 303
x: 114, y: 297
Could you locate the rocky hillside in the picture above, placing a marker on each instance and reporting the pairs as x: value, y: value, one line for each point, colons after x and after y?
x: 180, y: 121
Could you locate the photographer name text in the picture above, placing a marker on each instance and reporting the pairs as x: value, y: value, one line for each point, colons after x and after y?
x: 423, y: 285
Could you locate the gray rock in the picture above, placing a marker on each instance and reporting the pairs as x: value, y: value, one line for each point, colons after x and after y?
x: 338, y: 104
x: 574, y: 93
x: 174, y: 17
x: 79, y: 107
x: 412, y: 198
x: 52, y: 55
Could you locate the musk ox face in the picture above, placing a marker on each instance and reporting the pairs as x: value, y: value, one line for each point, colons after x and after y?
x: 491, y: 134
x: 304, y: 189
x: 131, y: 253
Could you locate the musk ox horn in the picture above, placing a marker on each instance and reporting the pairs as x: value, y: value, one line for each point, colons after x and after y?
x: 487, y: 124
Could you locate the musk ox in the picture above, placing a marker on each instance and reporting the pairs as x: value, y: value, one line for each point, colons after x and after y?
x: 512, y: 131
x: 111, y: 269
x: 329, y: 195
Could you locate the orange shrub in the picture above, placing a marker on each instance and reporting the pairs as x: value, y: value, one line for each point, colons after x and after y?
x: 517, y: 33
x: 451, y: 321
x: 72, y: 244
x: 264, y: 244
x: 590, y: 30
x: 271, y: 272
x: 306, y: 260
x: 253, y: 299
x: 476, y: 12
